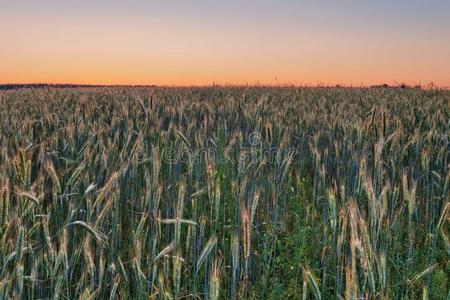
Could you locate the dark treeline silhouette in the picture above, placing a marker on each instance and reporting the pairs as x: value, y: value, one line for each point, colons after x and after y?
x: 68, y: 85
x: 399, y: 86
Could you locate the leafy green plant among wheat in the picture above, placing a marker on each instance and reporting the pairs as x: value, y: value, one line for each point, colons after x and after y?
x: 224, y: 193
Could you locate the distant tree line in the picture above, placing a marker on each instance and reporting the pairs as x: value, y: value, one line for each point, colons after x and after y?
x: 45, y: 85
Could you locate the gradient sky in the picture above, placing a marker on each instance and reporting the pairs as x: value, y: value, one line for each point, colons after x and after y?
x: 239, y: 42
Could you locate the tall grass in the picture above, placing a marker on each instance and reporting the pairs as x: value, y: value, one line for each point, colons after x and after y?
x: 218, y: 193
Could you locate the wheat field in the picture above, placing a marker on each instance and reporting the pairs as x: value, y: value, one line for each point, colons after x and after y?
x: 225, y: 193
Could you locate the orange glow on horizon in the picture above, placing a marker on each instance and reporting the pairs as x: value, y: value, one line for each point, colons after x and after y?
x: 132, y: 50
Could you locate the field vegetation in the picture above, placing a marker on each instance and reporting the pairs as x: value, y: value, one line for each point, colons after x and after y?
x: 224, y: 193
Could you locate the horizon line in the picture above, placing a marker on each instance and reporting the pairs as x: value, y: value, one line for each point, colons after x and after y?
x: 430, y: 85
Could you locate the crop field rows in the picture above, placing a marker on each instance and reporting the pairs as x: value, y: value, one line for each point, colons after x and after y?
x: 224, y: 193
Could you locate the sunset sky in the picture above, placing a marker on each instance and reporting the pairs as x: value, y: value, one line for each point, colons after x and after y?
x: 228, y: 42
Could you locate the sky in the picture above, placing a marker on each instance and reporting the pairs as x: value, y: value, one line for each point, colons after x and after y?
x: 225, y: 42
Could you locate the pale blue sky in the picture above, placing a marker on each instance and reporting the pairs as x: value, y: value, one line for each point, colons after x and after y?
x: 297, y: 41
